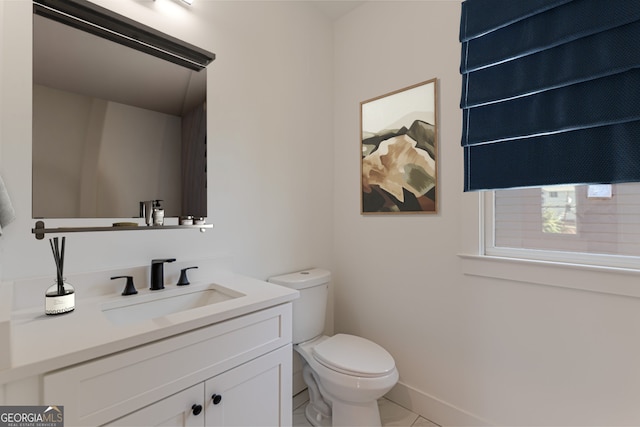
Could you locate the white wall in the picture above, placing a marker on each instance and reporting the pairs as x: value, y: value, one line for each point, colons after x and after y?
x: 470, y: 350
x: 2, y: 47
x: 269, y: 141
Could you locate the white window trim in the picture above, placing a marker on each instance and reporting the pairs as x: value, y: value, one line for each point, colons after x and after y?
x: 618, y: 275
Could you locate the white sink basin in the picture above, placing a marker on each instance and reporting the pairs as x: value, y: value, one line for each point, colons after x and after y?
x: 135, y: 308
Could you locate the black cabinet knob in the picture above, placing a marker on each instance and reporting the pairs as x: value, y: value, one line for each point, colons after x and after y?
x: 216, y: 399
x: 196, y: 409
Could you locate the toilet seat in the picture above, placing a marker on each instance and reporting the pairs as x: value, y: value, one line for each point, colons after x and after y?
x: 353, y: 355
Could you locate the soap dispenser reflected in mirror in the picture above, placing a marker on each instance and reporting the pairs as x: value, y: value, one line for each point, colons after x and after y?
x: 158, y: 213
x: 152, y: 212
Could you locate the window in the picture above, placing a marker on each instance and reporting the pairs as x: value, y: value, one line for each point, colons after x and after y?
x: 558, y: 209
x: 546, y: 101
x: 590, y: 223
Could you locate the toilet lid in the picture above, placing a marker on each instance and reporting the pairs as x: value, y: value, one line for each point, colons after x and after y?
x: 354, y: 355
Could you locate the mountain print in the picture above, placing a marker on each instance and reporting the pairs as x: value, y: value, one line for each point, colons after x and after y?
x: 399, y: 169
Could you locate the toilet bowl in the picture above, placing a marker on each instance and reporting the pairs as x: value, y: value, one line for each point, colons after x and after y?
x: 345, y: 374
x: 351, y: 374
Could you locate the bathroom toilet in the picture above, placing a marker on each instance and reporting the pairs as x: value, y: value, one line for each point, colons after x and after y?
x: 345, y: 374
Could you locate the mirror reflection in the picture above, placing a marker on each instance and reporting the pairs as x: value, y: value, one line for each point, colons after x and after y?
x: 113, y: 126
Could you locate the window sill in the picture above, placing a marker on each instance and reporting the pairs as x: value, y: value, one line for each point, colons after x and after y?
x: 593, y: 278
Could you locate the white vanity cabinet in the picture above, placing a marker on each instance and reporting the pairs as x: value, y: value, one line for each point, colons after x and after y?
x: 249, y: 395
x: 244, y: 361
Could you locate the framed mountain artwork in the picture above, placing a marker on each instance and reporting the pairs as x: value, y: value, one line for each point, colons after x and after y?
x: 399, y: 137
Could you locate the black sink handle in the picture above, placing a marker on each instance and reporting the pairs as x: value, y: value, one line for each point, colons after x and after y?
x: 129, y: 288
x: 183, y: 276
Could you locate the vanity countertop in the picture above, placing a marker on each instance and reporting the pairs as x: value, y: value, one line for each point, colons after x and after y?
x: 41, y: 343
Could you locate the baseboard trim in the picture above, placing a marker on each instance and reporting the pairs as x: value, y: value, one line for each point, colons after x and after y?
x: 432, y: 408
x: 300, y: 399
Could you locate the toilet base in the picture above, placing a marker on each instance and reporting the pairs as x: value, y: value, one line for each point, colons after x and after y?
x: 367, y: 415
x: 315, y: 417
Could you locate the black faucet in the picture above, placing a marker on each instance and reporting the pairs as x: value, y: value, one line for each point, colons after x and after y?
x: 157, y: 273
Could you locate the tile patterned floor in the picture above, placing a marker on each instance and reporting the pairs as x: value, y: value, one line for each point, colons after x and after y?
x: 390, y: 413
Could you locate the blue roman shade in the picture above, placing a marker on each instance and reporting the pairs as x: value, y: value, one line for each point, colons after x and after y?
x: 550, y: 92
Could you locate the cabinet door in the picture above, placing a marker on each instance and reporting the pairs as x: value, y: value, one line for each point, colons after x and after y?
x: 178, y: 410
x: 257, y: 393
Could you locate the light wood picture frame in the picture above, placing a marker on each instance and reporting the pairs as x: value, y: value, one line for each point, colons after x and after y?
x: 399, y: 141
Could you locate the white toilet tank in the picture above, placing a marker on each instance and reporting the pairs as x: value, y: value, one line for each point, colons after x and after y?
x: 310, y: 309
